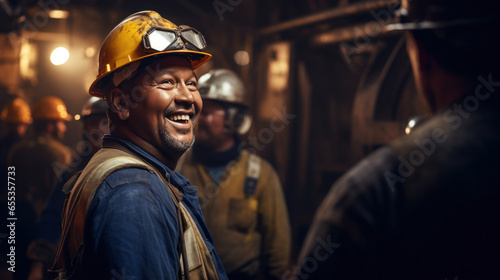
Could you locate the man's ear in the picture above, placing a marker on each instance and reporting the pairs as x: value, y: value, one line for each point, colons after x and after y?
x: 120, y: 103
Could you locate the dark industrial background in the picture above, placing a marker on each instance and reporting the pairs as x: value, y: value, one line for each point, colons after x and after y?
x: 326, y: 84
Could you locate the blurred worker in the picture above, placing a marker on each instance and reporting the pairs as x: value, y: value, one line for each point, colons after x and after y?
x: 43, y: 248
x: 129, y: 214
x: 36, y: 164
x: 240, y: 193
x: 426, y: 206
x: 39, y: 161
x: 16, y: 117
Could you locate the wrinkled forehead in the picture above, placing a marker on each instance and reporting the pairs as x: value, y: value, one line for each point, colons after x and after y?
x: 178, y: 65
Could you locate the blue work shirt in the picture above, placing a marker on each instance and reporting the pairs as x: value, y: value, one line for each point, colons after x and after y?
x: 48, y: 226
x: 132, y: 222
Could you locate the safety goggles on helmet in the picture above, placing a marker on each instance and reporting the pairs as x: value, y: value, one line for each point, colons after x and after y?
x: 163, y: 39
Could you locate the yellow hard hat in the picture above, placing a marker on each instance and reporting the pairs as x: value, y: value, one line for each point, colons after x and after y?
x: 141, y: 35
x: 51, y: 108
x: 18, y: 111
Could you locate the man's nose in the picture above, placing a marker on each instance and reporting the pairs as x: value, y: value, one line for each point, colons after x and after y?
x: 184, y: 95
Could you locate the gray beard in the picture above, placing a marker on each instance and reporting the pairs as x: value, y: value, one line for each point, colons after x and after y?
x: 174, y: 145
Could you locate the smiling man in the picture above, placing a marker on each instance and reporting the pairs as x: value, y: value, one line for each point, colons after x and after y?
x: 129, y: 215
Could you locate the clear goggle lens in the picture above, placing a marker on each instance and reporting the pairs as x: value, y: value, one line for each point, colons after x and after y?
x: 165, y: 39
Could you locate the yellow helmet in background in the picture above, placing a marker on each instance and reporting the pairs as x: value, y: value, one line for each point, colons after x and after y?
x: 141, y: 35
x: 18, y: 111
x: 51, y: 108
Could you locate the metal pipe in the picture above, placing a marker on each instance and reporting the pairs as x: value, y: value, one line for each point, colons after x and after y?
x: 362, y: 34
x: 47, y: 36
x: 6, y: 7
x: 350, y: 10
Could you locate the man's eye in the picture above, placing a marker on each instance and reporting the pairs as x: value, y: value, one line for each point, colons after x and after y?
x: 168, y: 82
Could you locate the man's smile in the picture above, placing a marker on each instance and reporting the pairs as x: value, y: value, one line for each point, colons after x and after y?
x: 181, y: 119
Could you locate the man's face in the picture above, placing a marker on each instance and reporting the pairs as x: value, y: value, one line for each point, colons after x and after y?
x: 59, y: 129
x: 18, y: 129
x: 94, y: 128
x: 165, y: 104
x: 210, y: 131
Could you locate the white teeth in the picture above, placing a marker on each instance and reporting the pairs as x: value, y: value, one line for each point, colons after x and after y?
x: 180, y: 118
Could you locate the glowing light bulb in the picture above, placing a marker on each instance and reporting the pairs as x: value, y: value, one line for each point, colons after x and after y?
x: 59, y: 56
x: 58, y: 14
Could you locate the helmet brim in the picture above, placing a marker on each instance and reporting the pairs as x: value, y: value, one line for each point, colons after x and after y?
x: 68, y: 118
x: 227, y: 102
x: 96, y: 89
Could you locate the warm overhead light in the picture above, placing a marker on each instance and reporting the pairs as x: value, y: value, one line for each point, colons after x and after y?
x: 59, y: 14
x: 59, y: 56
x: 89, y: 51
x: 242, y: 58
x: 77, y: 117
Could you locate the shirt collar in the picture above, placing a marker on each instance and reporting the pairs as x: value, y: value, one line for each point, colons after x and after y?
x: 175, y: 178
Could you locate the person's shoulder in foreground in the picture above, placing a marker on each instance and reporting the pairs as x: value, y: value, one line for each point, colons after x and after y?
x: 414, y: 208
x: 425, y: 207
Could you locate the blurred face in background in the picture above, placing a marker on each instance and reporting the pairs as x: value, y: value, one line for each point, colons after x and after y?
x: 211, y: 132
x: 21, y: 129
x: 18, y: 129
x: 59, y: 129
x: 94, y: 129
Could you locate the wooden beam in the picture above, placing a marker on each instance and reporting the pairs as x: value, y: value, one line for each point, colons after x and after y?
x: 354, y: 9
